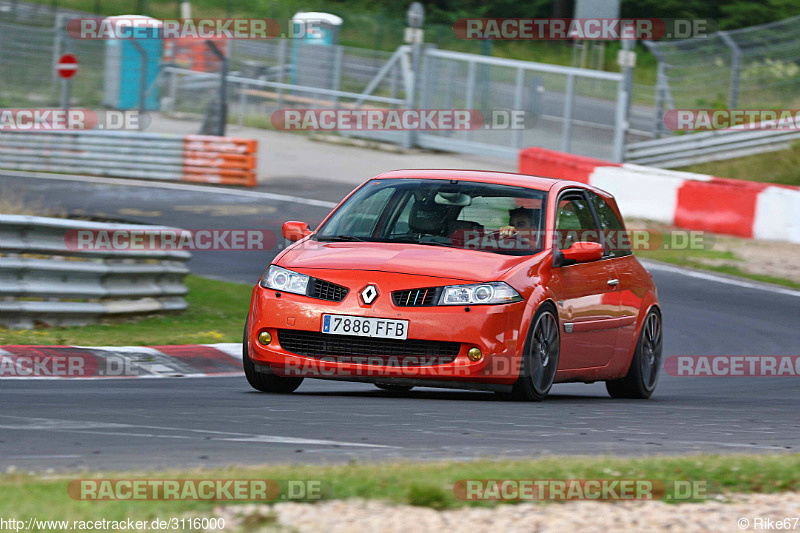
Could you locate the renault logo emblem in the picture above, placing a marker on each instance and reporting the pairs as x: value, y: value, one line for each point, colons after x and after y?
x: 369, y: 294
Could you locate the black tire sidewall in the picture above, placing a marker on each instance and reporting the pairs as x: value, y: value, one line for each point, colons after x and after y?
x: 523, y: 388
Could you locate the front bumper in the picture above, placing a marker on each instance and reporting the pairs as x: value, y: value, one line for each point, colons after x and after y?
x: 494, y: 329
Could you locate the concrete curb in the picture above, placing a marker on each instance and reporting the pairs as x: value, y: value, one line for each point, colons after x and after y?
x: 108, y: 362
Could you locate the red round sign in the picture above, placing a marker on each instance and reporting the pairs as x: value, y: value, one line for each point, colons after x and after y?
x: 67, y: 66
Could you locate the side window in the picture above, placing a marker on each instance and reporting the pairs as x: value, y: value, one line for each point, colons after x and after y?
x: 615, y: 238
x: 574, y: 222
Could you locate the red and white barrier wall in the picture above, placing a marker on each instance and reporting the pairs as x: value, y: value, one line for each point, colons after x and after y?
x: 129, y: 154
x: 693, y: 201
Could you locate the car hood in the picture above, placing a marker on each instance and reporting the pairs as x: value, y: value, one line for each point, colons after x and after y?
x: 423, y: 260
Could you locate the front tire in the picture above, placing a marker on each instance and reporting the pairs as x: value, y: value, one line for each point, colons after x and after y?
x: 265, y: 382
x: 539, y: 358
x: 643, y: 374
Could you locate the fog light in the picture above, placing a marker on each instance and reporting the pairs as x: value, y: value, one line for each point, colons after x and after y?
x: 264, y: 337
x: 474, y: 354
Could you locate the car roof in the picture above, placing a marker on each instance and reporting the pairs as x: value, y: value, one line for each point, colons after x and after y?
x: 485, y: 176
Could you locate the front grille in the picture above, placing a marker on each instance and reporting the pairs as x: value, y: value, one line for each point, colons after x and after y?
x: 417, y: 297
x: 352, y: 349
x: 325, y: 290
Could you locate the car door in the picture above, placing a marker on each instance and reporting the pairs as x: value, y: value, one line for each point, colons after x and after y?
x: 631, y: 286
x: 588, y: 296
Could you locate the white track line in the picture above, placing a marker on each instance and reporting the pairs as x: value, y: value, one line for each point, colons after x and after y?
x: 167, y: 185
x: 738, y: 282
x: 135, y: 430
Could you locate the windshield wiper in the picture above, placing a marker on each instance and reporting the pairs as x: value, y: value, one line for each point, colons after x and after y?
x: 341, y: 238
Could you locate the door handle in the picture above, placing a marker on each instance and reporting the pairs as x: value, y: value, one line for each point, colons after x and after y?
x: 613, y: 282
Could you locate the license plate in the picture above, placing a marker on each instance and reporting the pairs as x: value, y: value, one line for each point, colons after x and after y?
x: 361, y: 326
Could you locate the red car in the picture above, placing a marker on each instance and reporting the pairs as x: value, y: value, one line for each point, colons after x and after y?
x: 459, y: 279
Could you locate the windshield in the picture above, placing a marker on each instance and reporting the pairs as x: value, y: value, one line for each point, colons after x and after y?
x: 460, y: 214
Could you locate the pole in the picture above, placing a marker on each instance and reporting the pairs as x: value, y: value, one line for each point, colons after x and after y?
x: 223, y: 88
x: 566, y: 129
x: 627, y: 71
x: 66, y: 91
x: 64, y: 45
x: 142, y: 78
x: 625, y: 96
x: 416, y: 53
x: 416, y: 18
x: 736, y: 67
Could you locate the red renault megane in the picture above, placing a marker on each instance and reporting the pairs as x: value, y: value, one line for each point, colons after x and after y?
x: 461, y: 279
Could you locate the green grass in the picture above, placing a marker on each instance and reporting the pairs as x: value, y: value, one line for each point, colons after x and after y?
x: 775, y: 167
x: 699, y: 259
x: 421, y: 484
x: 216, y: 313
x: 694, y: 260
x: 723, y: 261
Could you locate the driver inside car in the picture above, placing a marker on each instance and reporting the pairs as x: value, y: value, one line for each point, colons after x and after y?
x: 520, y: 219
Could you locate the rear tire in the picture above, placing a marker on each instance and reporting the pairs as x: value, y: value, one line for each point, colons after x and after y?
x: 265, y: 382
x: 539, y: 358
x: 642, y: 377
x: 394, y: 388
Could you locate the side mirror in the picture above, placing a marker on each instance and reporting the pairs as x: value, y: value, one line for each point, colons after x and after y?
x: 579, y: 252
x: 294, y: 230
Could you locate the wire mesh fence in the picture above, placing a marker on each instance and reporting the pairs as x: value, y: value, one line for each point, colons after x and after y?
x: 28, y: 55
x: 564, y: 108
x: 266, y: 76
x: 750, y: 68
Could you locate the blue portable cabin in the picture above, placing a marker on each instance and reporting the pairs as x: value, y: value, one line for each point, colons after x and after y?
x: 123, y: 63
x: 315, y: 35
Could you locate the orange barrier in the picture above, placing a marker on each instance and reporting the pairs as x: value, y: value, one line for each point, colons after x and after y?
x: 227, y: 160
x: 192, y: 54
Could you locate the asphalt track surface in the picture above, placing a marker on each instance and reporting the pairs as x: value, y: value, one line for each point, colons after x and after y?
x: 120, y: 424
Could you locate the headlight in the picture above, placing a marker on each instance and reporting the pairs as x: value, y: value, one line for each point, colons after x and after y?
x: 496, y: 292
x: 280, y: 279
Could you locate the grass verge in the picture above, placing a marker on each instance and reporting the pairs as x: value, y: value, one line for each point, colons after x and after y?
x: 694, y: 260
x: 421, y: 484
x: 782, y: 167
x: 734, y: 256
x: 216, y: 313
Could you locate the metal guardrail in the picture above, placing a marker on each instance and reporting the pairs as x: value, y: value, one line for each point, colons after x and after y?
x: 131, y: 155
x: 683, y: 150
x: 45, y: 280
